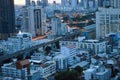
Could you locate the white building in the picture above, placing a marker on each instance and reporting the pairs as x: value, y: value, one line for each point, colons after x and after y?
x: 71, y: 51
x: 115, y: 3
x: 56, y: 26
x: 44, y: 3
x: 103, y: 74
x: 11, y: 70
x: 107, y: 21
x: 67, y: 7
x: 34, y: 20
x: 37, y: 56
x: 61, y: 61
x: 27, y: 2
x: 95, y: 45
x: 64, y: 28
x: 18, y: 42
x: 69, y: 42
x: 83, y: 64
x: 97, y: 72
x: 19, y: 70
x: 74, y: 3
x: 90, y: 73
x: 85, y: 3
x: 45, y: 69
x: 65, y: 2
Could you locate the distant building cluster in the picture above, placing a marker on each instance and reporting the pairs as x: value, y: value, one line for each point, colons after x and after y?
x: 96, y: 50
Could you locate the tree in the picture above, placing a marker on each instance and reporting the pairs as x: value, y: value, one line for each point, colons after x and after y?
x: 67, y: 75
x: 48, y: 49
x: 74, y: 74
x: 79, y: 70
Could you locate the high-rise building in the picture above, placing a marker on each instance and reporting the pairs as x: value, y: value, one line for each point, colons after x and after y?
x: 115, y: 3
x: 34, y: 20
x: 91, y: 3
x: 107, y: 21
x: 16, y: 69
x: 86, y: 3
x: 106, y: 3
x: 44, y: 2
x: 39, y: 3
x: 97, y: 73
x: 100, y: 3
x: 65, y: 2
x: 74, y: 3
x: 27, y: 2
x: 7, y: 18
x: 56, y: 26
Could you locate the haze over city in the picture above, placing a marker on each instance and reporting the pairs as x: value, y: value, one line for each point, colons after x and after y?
x: 72, y: 40
x: 22, y: 2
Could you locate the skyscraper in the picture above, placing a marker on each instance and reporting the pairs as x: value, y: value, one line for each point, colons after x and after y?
x: 86, y: 3
x: 44, y: 2
x: 100, y: 3
x: 115, y: 3
x: 106, y: 3
x: 107, y: 22
x: 27, y: 2
x: 7, y: 18
x: 74, y: 3
x: 34, y: 19
x: 66, y: 2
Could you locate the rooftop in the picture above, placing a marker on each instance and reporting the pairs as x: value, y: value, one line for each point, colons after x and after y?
x: 92, y: 41
x: 44, y: 65
x: 61, y: 56
x: 81, y: 64
x: 102, y: 72
x: 10, y: 65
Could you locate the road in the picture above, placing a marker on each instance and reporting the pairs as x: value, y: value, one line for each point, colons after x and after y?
x: 40, y: 37
x: 8, y: 56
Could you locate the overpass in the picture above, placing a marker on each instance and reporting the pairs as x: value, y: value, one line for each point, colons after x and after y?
x: 22, y: 52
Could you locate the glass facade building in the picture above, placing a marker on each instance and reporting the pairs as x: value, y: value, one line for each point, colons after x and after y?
x: 7, y: 18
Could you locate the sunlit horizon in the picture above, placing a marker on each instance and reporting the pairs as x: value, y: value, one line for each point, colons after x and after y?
x: 22, y: 2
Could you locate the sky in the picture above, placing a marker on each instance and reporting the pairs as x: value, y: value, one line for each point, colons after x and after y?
x: 22, y: 2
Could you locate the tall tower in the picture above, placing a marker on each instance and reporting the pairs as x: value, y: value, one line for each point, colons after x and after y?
x: 44, y: 2
x: 27, y: 2
x: 86, y: 3
x: 107, y: 22
x: 115, y: 3
x: 100, y: 3
x: 106, y: 3
x: 7, y: 18
x: 33, y: 20
x: 64, y: 2
x: 73, y: 3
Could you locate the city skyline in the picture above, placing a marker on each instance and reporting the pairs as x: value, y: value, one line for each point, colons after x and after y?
x: 59, y: 39
x: 22, y: 2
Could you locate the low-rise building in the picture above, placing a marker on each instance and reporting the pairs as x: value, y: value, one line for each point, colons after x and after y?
x: 19, y: 69
x: 97, y: 72
x: 61, y: 61
x: 37, y: 56
x: 45, y: 69
x: 18, y: 42
x: 95, y: 46
x: 69, y: 42
x: 71, y: 51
